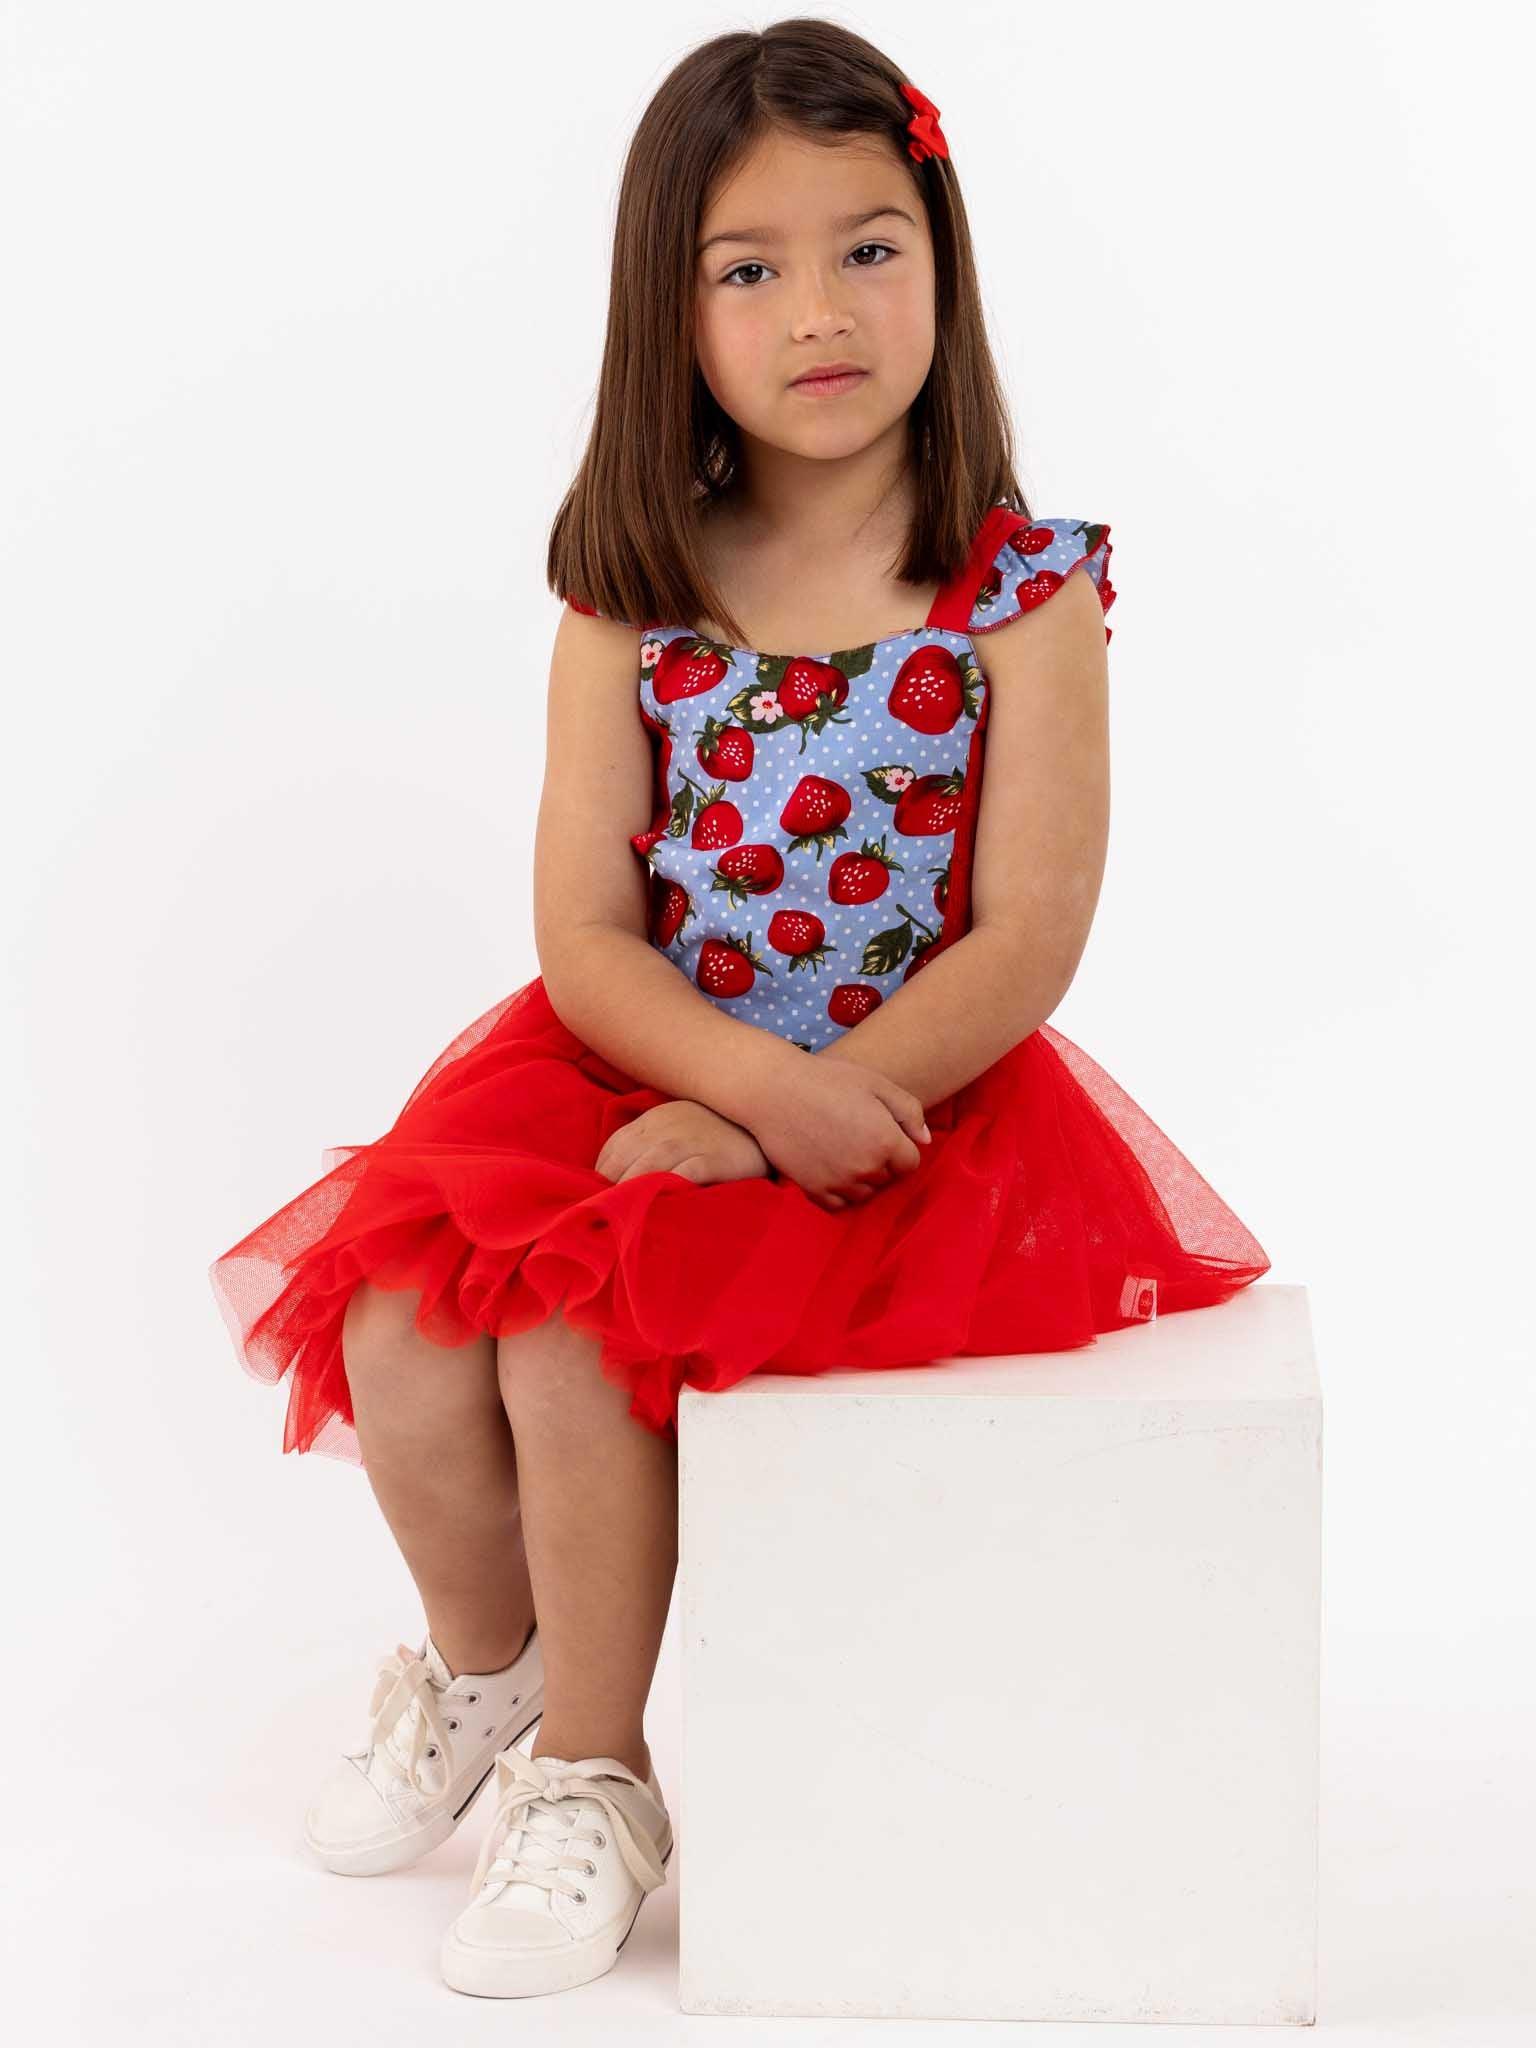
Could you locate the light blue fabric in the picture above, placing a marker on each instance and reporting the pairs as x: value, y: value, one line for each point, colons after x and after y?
x: 870, y: 749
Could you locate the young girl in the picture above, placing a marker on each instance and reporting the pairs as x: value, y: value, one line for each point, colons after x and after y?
x: 783, y: 1097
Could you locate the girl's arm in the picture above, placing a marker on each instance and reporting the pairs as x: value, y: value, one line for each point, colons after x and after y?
x: 606, y: 981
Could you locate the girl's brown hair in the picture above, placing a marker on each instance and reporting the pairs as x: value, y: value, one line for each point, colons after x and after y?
x: 625, y: 540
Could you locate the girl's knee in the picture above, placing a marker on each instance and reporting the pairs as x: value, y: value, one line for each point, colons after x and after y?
x: 551, y: 1352
x: 379, y: 1326
x: 383, y: 1308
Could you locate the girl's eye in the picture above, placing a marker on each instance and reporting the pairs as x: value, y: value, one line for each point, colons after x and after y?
x: 883, y: 246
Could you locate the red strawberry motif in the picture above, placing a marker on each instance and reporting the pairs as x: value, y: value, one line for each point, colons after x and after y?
x: 718, y: 823
x: 749, y: 871
x: 1032, y: 540
x: 798, y: 691
x: 726, y: 966
x: 812, y: 693
x: 1033, y: 590
x: 688, y: 666
x: 929, y: 692
x: 814, y: 813
x: 725, y: 750
x: 801, y: 934
x: 861, y: 877
x: 988, y: 588
x: 851, y: 1002
x: 931, y: 804
x: 670, y: 906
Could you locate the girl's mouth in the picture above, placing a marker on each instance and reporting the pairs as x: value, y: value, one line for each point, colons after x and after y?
x: 829, y: 387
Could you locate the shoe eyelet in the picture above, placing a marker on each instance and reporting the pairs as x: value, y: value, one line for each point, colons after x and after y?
x: 516, y: 1697
x: 490, y: 1731
x: 600, y: 1841
x: 580, y: 1898
x: 432, y: 1749
x: 472, y: 1697
x: 453, y: 1724
x: 591, y: 1868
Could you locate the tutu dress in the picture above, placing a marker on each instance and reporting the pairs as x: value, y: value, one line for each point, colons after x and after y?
x: 809, y: 850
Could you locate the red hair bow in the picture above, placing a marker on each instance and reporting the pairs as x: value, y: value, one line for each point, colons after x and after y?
x: 927, y: 136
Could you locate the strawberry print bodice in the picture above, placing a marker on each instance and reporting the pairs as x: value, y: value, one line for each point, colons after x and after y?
x: 816, y: 813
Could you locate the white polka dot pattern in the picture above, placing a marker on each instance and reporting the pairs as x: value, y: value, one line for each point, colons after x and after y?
x: 813, y: 845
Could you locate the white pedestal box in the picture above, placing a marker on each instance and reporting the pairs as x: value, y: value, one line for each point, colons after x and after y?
x: 1000, y: 1682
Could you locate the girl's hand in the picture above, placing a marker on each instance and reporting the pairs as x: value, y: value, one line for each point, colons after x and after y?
x: 839, y: 1129
x: 683, y: 1137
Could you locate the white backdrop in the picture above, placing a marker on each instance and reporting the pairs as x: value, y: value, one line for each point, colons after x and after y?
x: 305, y: 308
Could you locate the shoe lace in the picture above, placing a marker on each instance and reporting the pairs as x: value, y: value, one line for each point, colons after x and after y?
x: 522, y: 1844
x: 403, y: 1691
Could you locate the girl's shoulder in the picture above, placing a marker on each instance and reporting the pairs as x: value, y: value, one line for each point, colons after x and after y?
x: 1033, y: 562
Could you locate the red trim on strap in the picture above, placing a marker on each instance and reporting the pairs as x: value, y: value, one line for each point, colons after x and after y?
x: 954, y: 604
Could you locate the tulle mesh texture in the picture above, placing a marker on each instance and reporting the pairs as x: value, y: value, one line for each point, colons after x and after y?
x: 1047, y: 1208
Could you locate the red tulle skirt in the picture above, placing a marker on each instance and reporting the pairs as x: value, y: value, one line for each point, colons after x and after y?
x: 1046, y: 1208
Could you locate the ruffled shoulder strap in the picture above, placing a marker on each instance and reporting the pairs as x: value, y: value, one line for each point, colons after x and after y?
x: 1036, y: 557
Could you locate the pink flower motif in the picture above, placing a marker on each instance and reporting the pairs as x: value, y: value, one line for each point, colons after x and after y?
x: 650, y: 652
x: 766, y: 706
x: 899, y: 778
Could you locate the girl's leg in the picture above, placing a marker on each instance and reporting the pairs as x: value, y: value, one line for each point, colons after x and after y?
x: 600, y: 1499
x: 439, y: 1456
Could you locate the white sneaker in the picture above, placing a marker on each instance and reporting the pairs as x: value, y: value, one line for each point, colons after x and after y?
x: 431, y: 1745
x: 571, y: 1852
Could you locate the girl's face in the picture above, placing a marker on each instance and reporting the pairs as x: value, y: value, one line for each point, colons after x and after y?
x: 806, y: 278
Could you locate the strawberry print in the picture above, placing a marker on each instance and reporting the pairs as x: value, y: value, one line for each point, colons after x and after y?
x: 810, y: 849
x: 749, y: 871
x: 861, y: 877
x: 728, y: 966
x: 670, y: 908
x: 718, y: 822
x: 932, y: 691
x: 851, y: 1003
x: 798, y: 693
x: 802, y: 935
x: 689, y: 667
x: 815, y: 813
x: 725, y: 750
x: 923, y: 803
